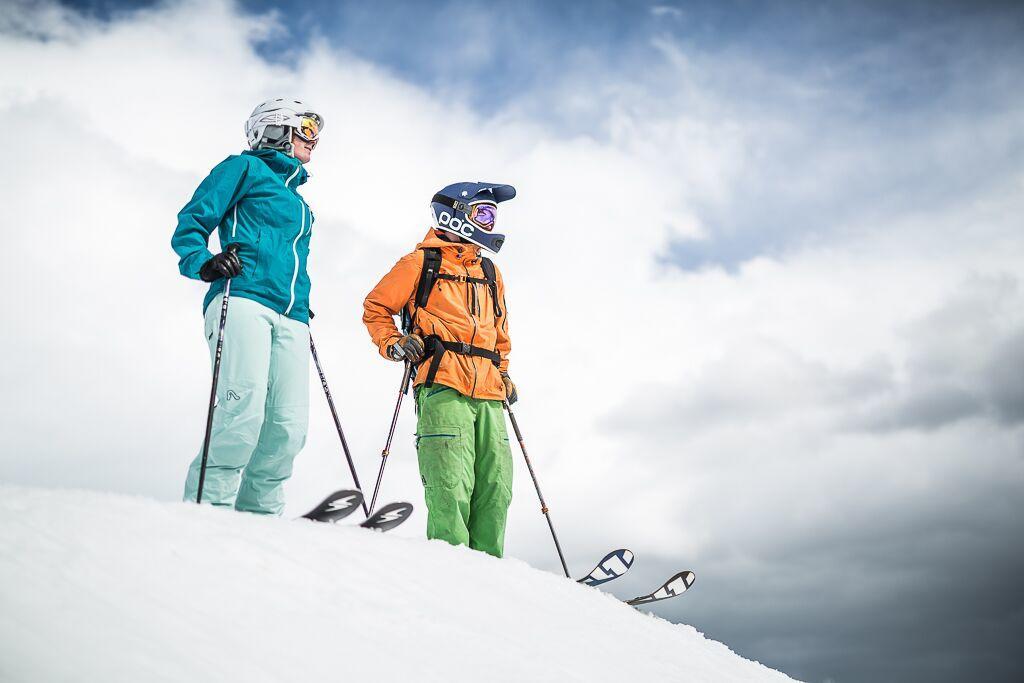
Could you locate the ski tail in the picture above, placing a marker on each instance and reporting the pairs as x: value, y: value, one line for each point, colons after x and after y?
x: 677, y: 585
x: 612, y: 566
x: 388, y: 517
x: 336, y: 506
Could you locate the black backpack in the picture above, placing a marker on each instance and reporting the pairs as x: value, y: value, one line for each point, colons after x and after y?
x: 430, y: 274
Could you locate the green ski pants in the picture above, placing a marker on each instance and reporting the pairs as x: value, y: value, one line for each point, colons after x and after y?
x: 262, y: 412
x: 466, y: 467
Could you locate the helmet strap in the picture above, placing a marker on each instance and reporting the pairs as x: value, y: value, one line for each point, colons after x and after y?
x: 279, y: 138
x: 450, y: 203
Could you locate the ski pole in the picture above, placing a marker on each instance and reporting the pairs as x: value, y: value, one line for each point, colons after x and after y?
x: 216, y: 376
x: 337, y: 422
x: 543, y: 505
x: 391, y: 432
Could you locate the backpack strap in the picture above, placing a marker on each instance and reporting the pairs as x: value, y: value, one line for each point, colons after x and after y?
x: 428, y: 276
x: 492, y: 282
x: 436, y: 348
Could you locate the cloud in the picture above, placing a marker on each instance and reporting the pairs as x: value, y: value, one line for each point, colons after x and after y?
x: 964, y: 363
x: 829, y: 392
x: 667, y: 12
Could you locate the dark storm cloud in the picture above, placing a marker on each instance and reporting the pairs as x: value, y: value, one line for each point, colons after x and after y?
x: 1006, y: 377
x: 930, y: 594
x: 929, y: 407
x: 966, y: 361
x: 944, y: 607
x: 911, y: 570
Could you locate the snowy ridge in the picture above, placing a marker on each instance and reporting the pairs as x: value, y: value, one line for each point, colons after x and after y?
x: 101, y: 587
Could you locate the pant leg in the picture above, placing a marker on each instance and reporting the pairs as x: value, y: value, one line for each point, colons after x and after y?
x: 493, y: 491
x: 241, y: 394
x: 285, y: 422
x: 445, y: 451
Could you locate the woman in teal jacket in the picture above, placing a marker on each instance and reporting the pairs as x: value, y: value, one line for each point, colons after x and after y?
x: 252, y: 201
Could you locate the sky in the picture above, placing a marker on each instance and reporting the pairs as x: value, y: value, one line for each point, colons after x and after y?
x: 764, y: 278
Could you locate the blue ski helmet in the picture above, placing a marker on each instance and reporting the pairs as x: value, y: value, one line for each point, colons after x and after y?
x: 469, y: 210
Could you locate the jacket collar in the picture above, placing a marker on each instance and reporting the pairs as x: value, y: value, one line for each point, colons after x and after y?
x: 456, y: 251
x: 289, y: 169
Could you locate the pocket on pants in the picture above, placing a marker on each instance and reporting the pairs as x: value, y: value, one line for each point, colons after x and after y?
x: 437, y: 450
x: 503, y: 465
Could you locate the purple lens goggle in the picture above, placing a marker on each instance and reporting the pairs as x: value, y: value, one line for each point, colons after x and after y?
x: 482, y: 214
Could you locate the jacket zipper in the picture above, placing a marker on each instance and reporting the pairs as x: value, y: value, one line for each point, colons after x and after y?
x: 472, y: 359
x: 295, y: 253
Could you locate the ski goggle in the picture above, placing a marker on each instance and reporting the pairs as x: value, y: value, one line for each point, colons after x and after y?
x: 483, y: 215
x: 309, y: 127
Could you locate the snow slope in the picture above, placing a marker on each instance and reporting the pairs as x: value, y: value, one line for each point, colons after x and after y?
x: 99, y: 587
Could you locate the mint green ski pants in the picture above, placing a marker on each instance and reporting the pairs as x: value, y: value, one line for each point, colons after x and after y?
x: 262, y: 412
x: 466, y: 468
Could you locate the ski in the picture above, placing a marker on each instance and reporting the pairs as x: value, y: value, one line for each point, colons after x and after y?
x: 343, y: 503
x: 677, y: 585
x: 336, y: 506
x: 388, y: 517
x: 615, y: 564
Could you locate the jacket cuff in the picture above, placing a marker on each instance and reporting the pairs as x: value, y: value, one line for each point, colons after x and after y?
x: 190, y: 266
x: 383, y: 347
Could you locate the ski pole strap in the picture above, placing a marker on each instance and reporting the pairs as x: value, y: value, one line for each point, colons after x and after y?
x: 437, y: 347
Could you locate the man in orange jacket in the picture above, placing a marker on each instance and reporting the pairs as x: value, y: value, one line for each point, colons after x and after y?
x: 452, y: 302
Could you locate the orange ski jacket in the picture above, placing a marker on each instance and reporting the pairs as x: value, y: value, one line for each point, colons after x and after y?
x: 457, y: 311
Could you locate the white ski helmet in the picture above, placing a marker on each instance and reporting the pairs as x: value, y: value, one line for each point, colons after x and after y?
x: 271, y: 124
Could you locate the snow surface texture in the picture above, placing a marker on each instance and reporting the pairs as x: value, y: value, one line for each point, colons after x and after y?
x: 98, y: 587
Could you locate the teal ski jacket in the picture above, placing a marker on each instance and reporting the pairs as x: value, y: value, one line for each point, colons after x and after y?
x: 252, y: 200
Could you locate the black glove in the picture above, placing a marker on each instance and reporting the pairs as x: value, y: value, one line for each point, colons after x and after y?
x: 511, y: 395
x: 410, y: 347
x: 224, y: 264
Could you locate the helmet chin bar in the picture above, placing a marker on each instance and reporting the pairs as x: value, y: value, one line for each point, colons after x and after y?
x: 279, y: 138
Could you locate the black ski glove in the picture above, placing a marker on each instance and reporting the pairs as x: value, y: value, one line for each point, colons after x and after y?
x: 410, y: 347
x: 511, y: 395
x: 224, y: 264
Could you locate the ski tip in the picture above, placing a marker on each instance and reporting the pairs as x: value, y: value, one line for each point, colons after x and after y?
x: 686, y: 577
x: 388, y: 516
x: 680, y: 582
x: 612, y: 566
x: 675, y: 586
x: 336, y: 506
x: 623, y: 555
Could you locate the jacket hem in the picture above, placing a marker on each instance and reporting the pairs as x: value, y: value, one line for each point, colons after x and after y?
x: 275, y: 307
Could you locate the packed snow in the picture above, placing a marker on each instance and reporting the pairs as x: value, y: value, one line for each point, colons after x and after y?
x: 102, y: 587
